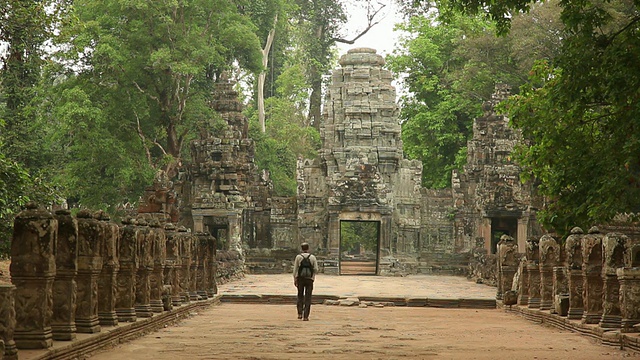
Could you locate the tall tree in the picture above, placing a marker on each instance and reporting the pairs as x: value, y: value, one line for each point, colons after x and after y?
x: 322, y: 25
x: 579, y: 111
x: 141, y: 80
x: 580, y: 115
x: 448, y: 70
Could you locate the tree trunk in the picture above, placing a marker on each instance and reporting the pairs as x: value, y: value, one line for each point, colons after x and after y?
x: 263, y: 75
x: 315, y: 100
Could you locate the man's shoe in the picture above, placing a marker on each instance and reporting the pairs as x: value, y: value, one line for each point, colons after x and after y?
x: 299, y: 317
x: 305, y: 319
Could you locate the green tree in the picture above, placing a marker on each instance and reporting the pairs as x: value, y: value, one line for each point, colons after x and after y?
x: 288, y: 136
x: 580, y: 114
x: 580, y: 110
x: 24, y: 157
x: 139, y: 85
x: 321, y: 24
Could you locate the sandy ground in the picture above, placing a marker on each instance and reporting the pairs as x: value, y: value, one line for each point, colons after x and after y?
x: 260, y: 332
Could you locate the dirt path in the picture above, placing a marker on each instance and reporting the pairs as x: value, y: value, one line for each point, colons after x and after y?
x: 260, y: 332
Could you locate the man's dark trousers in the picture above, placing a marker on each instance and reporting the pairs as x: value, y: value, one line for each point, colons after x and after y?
x: 305, y: 288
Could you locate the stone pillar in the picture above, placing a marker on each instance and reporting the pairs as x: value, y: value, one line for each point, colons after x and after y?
x: 560, y: 291
x: 184, y: 241
x: 614, y: 246
x: 145, y: 267
x: 203, y: 262
x: 523, y: 293
x: 159, y: 254
x: 629, y: 279
x: 507, y: 264
x: 193, y: 268
x: 592, y: 276
x: 107, y: 281
x: 126, y: 278
x: 33, y: 268
x: 65, y: 289
x: 533, y: 270
x: 90, y: 245
x: 8, y: 321
x: 212, y: 288
x: 573, y: 261
x: 172, y: 263
x: 549, y: 258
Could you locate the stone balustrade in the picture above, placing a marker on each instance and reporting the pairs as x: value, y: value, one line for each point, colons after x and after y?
x: 78, y: 274
x: 592, y: 278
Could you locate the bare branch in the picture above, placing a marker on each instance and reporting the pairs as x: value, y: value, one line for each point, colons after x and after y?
x: 155, y: 98
x: 371, y: 22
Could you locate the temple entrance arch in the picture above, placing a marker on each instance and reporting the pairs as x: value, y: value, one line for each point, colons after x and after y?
x: 376, y: 221
x: 359, y: 247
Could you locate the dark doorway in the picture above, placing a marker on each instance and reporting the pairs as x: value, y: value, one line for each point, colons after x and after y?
x: 219, y: 228
x: 359, y: 245
x: 502, y: 226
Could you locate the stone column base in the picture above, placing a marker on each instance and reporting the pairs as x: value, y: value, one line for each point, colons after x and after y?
x: 33, y: 339
x: 610, y: 321
x: 88, y: 326
x: 109, y: 318
x: 63, y: 332
x: 575, y: 313
x: 144, y: 311
x: 126, y: 315
x: 591, y: 318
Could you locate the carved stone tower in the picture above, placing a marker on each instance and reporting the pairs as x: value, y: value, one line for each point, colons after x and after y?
x: 361, y: 174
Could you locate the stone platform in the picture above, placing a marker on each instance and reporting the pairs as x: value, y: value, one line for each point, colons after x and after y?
x: 415, y: 290
x: 610, y: 337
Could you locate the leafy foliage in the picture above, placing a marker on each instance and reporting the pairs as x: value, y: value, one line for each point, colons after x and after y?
x: 580, y: 114
x: 357, y: 234
x: 288, y: 137
x: 448, y: 70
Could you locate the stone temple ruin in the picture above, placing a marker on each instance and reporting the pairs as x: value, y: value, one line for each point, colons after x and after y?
x: 218, y: 220
x: 362, y: 176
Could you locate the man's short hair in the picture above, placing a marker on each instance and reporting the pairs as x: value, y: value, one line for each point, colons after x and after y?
x: 304, y: 246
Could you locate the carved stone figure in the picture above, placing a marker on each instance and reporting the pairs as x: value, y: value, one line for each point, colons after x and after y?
x: 523, y: 287
x: 202, y: 276
x: 629, y: 279
x: 107, y: 280
x: 507, y: 264
x: 63, y: 322
x: 613, y: 245
x: 212, y: 286
x: 145, y: 267
x: 90, y: 247
x: 193, y: 269
x: 172, y: 263
x: 184, y: 241
x: 592, y: 273
x: 549, y: 258
x: 573, y: 250
x: 8, y: 321
x: 33, y: 267
x: 156, y: 277
x: 533, y: 271
x: 128, y: 258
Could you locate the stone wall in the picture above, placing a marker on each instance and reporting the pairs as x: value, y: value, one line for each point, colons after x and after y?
x: 78, y: 274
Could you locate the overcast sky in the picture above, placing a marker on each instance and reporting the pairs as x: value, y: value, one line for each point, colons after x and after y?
x: 381, y: 37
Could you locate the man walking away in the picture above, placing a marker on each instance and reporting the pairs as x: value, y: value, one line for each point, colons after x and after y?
x: 305, y: 268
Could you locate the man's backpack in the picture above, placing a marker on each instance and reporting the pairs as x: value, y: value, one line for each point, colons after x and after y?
x: 306, y: 268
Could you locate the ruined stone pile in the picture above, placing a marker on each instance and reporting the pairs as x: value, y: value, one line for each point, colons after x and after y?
x: 75, y: 274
